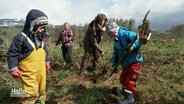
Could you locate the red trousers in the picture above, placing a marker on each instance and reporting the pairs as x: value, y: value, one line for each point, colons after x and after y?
x: 129, y: 76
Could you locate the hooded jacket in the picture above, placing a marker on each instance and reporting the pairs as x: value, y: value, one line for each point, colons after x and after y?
x: 131, y: 57
x: 93, y: 36
x: 20, y: 47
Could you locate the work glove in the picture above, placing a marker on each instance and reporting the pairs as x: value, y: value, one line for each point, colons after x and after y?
x: 115, y: 70
x: 16, y: 73
x: 129, y: 48
x: 143, y: 41
x: 47, y: 66
x: 102, y: 53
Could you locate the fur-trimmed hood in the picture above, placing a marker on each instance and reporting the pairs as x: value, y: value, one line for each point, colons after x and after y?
x: 32, y: 18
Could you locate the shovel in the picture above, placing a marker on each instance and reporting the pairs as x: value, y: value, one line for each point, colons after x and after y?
x: 104, y: 71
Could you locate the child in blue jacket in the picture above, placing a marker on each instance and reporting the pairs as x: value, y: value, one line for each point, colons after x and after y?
x: 132, y: 61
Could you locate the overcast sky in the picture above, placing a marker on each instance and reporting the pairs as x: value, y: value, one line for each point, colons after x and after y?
x: 163, y: 12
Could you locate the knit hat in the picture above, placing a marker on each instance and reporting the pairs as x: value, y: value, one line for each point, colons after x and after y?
x: 112, y: 27
x: 39, y: 22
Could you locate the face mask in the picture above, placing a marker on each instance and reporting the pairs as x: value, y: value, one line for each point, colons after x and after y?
x: 39, y: 37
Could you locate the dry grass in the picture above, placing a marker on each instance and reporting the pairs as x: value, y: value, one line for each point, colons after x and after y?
x: 161, y: 81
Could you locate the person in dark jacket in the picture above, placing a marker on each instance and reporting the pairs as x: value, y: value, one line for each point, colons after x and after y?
x: 92, y: 39
x: 66, y: 39
x: 132, y: 61
x: 28, y: 57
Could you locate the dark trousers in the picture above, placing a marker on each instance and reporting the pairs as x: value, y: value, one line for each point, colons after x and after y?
x: 87, y: 51
x: 67, y: 53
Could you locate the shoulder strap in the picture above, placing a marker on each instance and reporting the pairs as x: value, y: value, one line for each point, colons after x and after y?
x: 29, y: 40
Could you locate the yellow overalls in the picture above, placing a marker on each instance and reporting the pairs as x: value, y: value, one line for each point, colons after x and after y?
x: 33, y: 69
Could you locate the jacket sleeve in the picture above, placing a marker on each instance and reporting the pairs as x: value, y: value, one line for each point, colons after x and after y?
x: 13, y: 53
x: 115, y: 57
x: 94, y: 41
x: 47, y: 54
x: 59, y: 40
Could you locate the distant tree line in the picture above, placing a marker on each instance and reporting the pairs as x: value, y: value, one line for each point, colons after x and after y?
x: 177, y: 31
x: 79, y: 30
x: 129, y: 24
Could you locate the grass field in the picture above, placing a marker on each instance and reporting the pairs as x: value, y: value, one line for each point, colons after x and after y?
x: 161, y: 81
